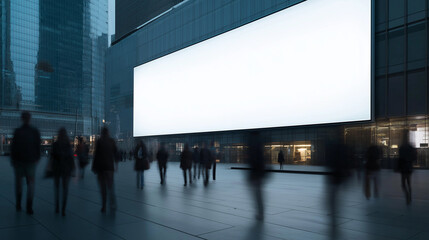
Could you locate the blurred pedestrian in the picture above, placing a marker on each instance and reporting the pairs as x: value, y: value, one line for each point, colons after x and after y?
x: 214, y: 156
x: 281, y: 159
x: 206, y: 159
x: 131, y: 155
x: 201, y: 168
x: 82, y: 152
x: 104, y: 165
x: 62, y: 166
x: 186, y: 163
x: 255, y: 156
x: 372, y: 169
x: 196, y: 161
x: 339, y: 162
x: 162, y: 157
x: 25, y: 153
x: 407, y: 156
x: 142, y: 163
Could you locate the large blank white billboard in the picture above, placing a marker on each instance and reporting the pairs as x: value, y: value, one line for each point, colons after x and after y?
x: 307, y: 64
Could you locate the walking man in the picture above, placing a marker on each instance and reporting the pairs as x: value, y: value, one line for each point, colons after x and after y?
x: 25, y: 153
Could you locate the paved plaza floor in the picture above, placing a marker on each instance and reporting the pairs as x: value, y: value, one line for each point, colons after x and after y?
x: 295, y: 208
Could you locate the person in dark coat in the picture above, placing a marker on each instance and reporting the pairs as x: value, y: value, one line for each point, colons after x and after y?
x: 25, y: 153
x: 162, y: 157
x: 141, y: 164
x: 256, y: 161
x: 372, y: 169
x: 186, y: 163
x: 407, y: 157
x: 281, y: 159
x: 196, y: 161
x: 206, y: 160
x: 82, y: 152
x: 339, y: 162
x: 104, y: 165
x: 213, y: 154
x: 62, y: 167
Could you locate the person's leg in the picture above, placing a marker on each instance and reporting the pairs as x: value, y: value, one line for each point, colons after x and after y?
x: 408, y: 179
x: 207, y: 176
x: 141, y: 179
x: 184, y: 176
x: 160, y: 173
x: 57, y: 193
x: 66, y: 181
x: 30, y: 176
x: 195, y: 170
x: 190, y: 176
x: 18, y: 187
x: 376, y: 183
x: 111, y: 190
x: 102, y: 182
x: 259, y: 200
x: 164, y: 176
x: 404, y: 180
x: 214, y: 170
x: 367, y: 185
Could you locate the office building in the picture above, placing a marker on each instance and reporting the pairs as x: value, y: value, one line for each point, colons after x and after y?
x: 53, y: 64
x: 400, y: 80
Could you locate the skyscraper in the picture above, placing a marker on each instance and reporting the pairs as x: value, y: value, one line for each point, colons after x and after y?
x: 52, y: 64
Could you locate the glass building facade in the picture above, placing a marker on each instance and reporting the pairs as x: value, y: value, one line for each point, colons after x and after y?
x: 53, y: 65
x: 140, y: 10
x: 401, y: 95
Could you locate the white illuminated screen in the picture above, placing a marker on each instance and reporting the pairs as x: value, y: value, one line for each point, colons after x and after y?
x: 307, y: 64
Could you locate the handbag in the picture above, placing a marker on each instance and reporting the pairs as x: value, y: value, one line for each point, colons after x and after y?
x: 146, y: 164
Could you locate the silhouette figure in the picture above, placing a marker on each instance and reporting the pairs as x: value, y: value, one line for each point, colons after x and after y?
x: 25, y: 153
x: 213, y: 159
x: 186, y: 163
x: 338, y: 156
x: 142, y: 163
x: 104, y: 164
x: 281, y: 159
x: 196, y: 161
x: 62, y: 166
x: 162, y: 157
x: 372, y: 169
x: 201, y: 168
x: 407, y: 156
x: 255, y: 155
x: 82, y: 152
x: 206, y: 160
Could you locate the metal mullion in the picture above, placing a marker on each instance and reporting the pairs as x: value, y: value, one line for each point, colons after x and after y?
x: 426, y: 59
x: 406, y: 59
x: 386, y: 35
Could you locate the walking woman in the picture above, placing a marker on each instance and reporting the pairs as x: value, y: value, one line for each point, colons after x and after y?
x: 62, y: 166
x: 142, y: 163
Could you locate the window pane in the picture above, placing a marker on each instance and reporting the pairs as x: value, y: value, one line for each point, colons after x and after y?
x: 396, y: 101
x: 417, y: 87
x: 380, y: 97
